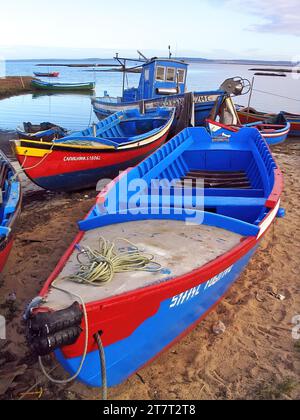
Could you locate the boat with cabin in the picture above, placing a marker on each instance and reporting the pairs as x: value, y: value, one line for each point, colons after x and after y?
x: 163, y: 82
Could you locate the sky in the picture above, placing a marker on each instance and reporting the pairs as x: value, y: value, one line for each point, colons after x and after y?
x: 221, y: 29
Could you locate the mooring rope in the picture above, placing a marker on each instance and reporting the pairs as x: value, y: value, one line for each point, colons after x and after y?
x: 86, y: 342
x: 103, y: 365
x: 275, y: 94
x: 22, y: 170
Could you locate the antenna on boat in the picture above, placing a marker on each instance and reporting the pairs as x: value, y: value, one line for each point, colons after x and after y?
x: 170, y: 53
x: 94, y: 130
x: 250, y: 98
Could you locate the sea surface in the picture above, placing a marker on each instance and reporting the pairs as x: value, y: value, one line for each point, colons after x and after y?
x: 74, y: 112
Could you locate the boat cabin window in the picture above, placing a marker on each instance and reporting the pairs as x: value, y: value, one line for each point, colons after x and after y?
x: 181, y: 76
x: 160, y: 73
x: 147, y: 75
x: 171, y: 74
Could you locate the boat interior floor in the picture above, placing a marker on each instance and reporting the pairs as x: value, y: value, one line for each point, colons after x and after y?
x: 217, y: 179
x: 177, y: 246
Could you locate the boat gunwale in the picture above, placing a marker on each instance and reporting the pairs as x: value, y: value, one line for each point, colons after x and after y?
x: 14, y: 216
x: 282, y: 129
x: 60, y: 146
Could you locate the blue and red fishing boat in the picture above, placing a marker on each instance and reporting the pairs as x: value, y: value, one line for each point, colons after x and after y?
x: 44, y: 132
x: 275, y: 133
x: 197, y: 210
x: 10, y: 206
x: 80, y: 160
x: 163, y: 83
x: 250, y: 115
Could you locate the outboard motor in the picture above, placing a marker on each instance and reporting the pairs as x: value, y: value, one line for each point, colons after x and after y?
x: 236, y: 86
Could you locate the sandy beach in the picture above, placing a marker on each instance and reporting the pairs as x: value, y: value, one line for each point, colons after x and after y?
x: 255, y: 358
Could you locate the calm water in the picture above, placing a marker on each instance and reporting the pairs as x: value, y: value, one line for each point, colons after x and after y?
x: 73, y: 111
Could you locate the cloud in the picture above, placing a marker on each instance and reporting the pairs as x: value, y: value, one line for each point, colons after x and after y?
x: 280, y: 16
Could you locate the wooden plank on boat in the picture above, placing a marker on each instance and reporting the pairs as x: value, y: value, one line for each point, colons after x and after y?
x: 215, y: 174
x: 240, y: 184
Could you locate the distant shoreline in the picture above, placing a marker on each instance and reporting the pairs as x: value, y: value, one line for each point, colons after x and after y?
x: 187, y: 59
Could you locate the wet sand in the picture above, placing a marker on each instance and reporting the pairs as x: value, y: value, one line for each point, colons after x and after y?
x: 256, y: 357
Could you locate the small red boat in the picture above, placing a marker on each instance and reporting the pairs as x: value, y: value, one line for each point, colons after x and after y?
x: 250, y: 115
x: 51, y: 74
x: 275, y: 133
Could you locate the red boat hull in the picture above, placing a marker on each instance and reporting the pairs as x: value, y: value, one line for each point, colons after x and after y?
x: 67, y: 169
x: 5, y: 249
x: 251, y: 118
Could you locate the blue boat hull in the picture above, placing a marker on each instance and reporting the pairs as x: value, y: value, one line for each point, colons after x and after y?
x: 204, y: 104
x: 172, y: 321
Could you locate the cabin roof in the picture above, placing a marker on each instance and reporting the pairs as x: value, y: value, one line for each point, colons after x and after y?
x: 165, y: 60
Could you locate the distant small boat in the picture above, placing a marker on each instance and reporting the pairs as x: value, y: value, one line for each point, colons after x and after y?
x: 248, y: 115
x: 39, y: 84
x: 80, y: 160
x: 273, y: 133
x: 10, y: 206
x: 51, y: 74
x: 45, y: 131
x: 270, y: 74
x: 200, y: 248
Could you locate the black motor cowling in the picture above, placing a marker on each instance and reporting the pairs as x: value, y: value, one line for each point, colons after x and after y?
x: 49, y: 331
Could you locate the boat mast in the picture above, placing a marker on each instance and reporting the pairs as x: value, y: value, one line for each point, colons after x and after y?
x: 123, y: 64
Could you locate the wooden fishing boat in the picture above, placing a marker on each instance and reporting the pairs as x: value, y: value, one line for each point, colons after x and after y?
x: 163, y: 83
x: 249, y: 115
x: 51, y: 74
x: 294, y: 120
x: 199, y: 246
x: 64, y: 87
x: 44, y: 131
x: 273, y: 133
x: 10, y: 206
x: 82, y: 159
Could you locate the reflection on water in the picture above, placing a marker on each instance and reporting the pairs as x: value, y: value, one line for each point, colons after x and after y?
x: 73, y: 110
